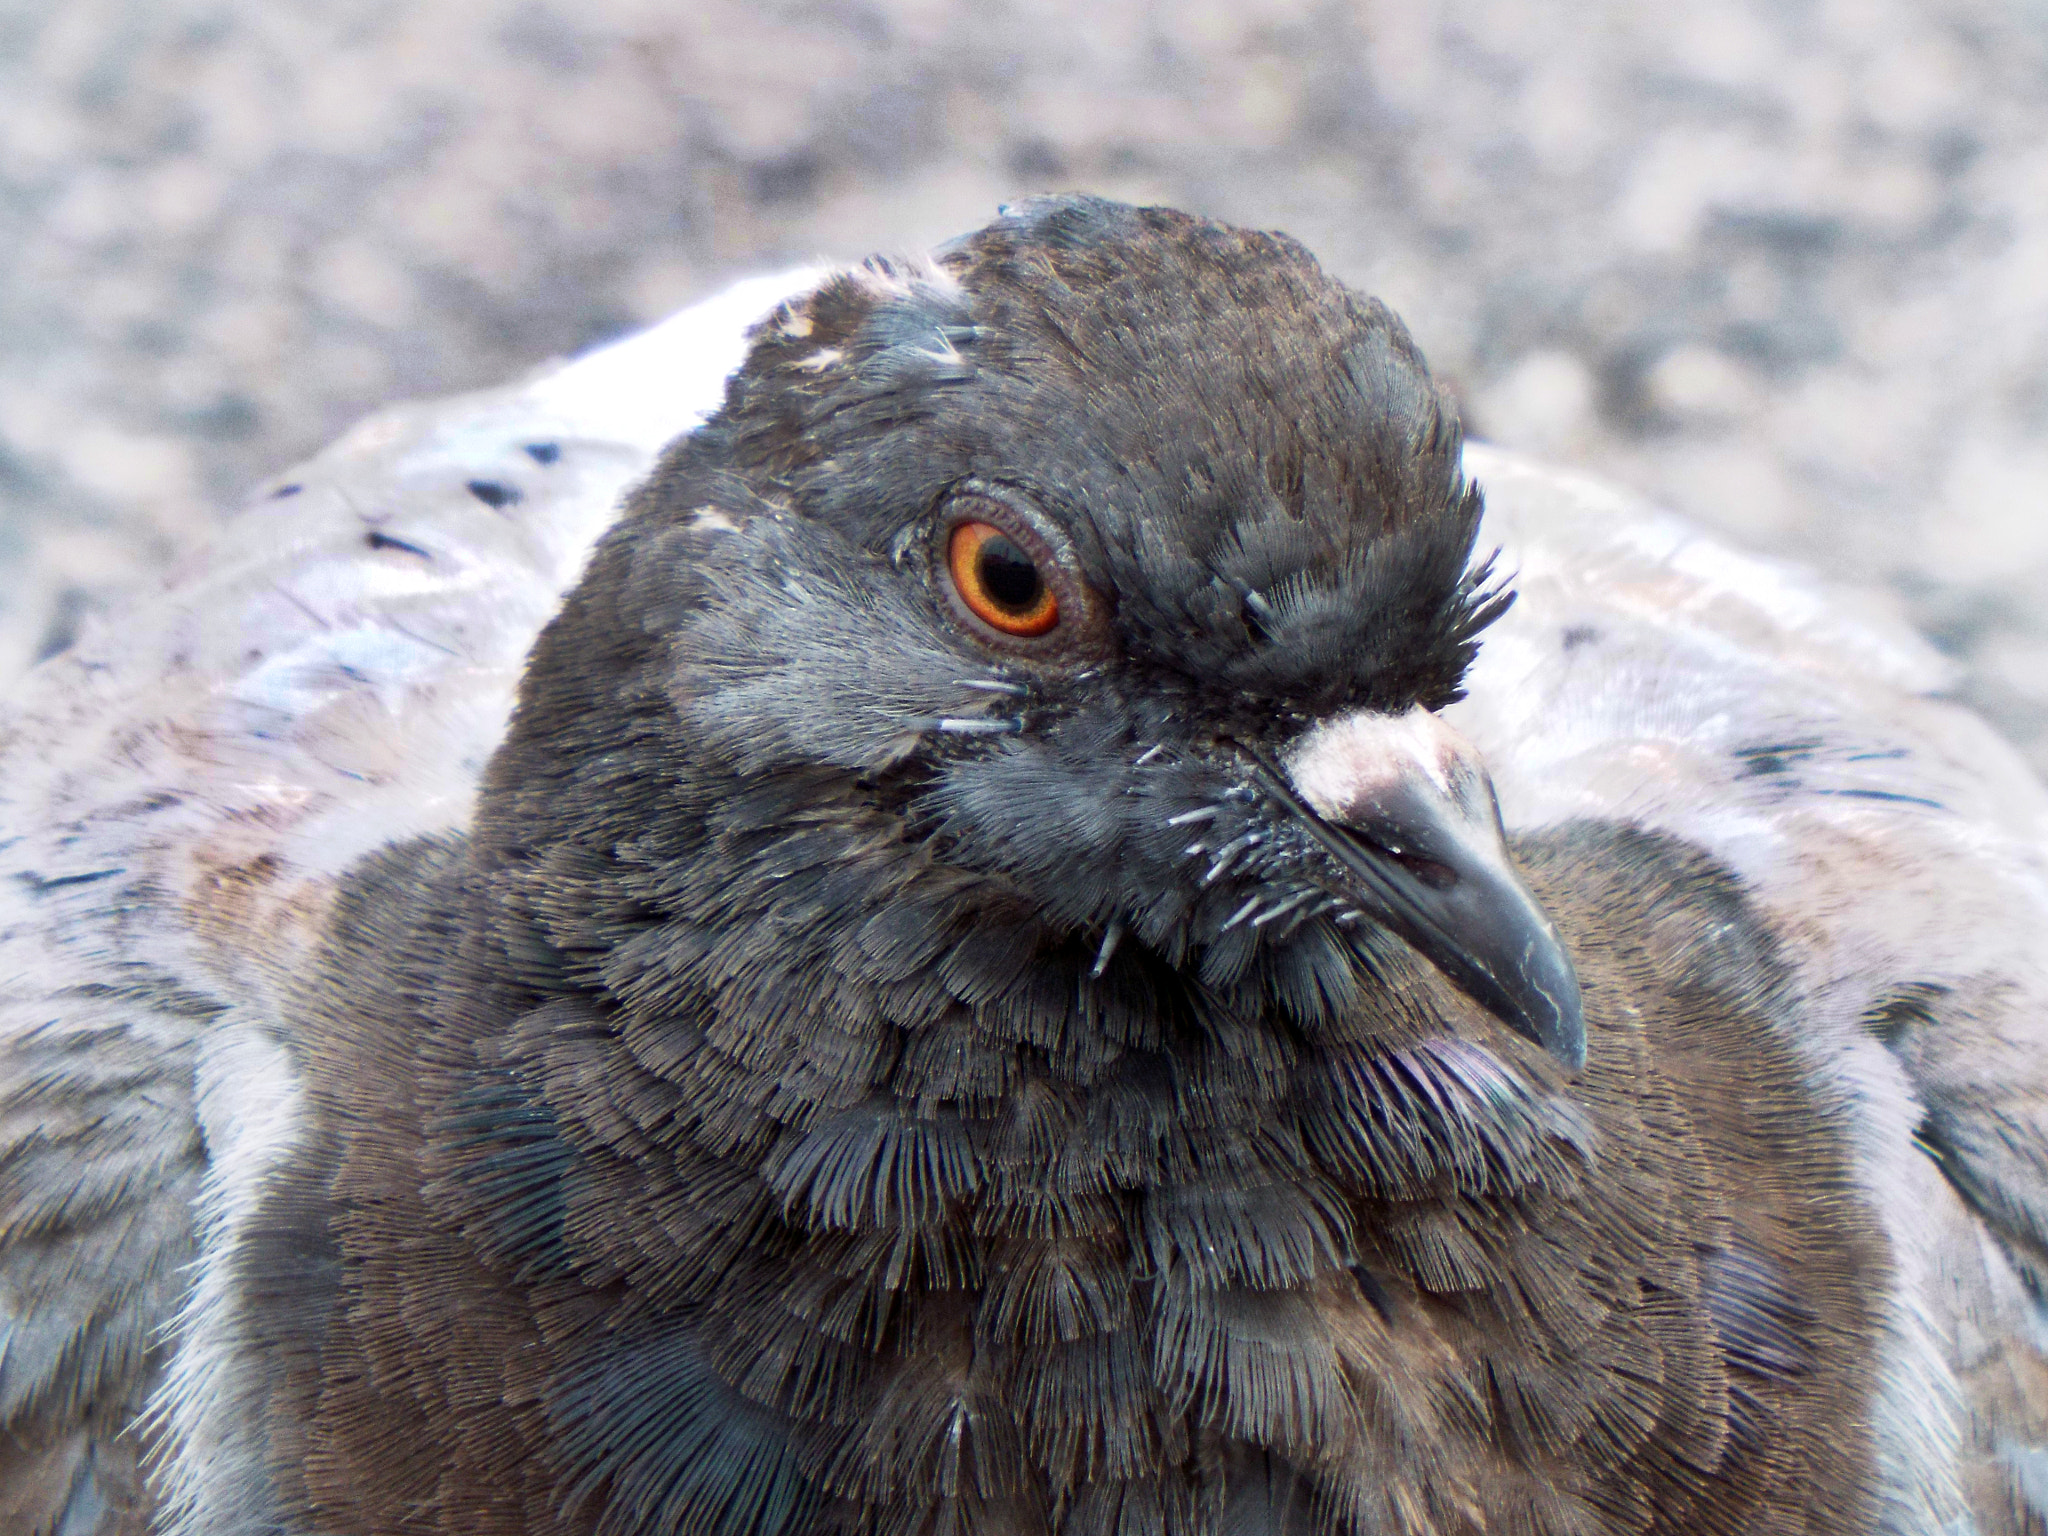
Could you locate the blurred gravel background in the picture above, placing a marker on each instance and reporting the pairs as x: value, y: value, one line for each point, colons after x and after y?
x: 1781, y: 263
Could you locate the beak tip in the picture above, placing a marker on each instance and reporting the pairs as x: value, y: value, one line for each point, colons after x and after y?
x: 1368, y: 786
x: 1567, y: 1043
x: 1553, y: 1014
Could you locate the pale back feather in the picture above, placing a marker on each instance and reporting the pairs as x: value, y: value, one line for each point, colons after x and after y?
x: 178, y: 794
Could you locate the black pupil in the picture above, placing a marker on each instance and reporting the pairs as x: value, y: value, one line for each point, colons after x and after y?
x: 1008, y: 576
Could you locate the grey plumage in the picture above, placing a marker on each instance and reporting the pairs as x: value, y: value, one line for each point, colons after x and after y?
x: 856, y: 1072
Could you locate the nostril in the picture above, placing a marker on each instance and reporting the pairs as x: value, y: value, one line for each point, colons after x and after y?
x: 1438, y: 877
x: 1370, y: 829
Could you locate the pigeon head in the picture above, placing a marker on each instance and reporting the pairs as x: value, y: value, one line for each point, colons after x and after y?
x: 1050, y: 634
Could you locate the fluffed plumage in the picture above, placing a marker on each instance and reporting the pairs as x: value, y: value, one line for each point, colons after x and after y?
x: 837, y: 1053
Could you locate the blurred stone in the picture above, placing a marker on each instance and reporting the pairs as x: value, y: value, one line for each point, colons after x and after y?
x: 1545, y: 404
x: 1696, y: 384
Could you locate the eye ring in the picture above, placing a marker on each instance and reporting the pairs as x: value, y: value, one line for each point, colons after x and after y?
x: 1011, y: 579
x: 999, y: 581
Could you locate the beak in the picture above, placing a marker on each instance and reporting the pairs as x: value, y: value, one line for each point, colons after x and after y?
x: 1405, y: 805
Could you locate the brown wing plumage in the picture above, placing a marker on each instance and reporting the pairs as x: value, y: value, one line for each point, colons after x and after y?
x: 1898, y: 851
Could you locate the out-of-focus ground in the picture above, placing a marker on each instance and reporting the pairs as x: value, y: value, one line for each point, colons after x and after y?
x: 1781, y: 263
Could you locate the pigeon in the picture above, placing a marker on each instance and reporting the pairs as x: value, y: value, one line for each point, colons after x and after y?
x: 1011, y: 893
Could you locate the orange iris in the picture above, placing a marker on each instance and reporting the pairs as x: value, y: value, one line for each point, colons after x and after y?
x: 1000, y: 584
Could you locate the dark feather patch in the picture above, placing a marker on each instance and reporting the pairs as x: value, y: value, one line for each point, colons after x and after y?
x: 656, y: 1445
x: 1765, y: 1329
x: 873, y: 1167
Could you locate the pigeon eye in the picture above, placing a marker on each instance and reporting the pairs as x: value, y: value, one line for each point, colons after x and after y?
x: 1011, y: 578
x: 999, y: 581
